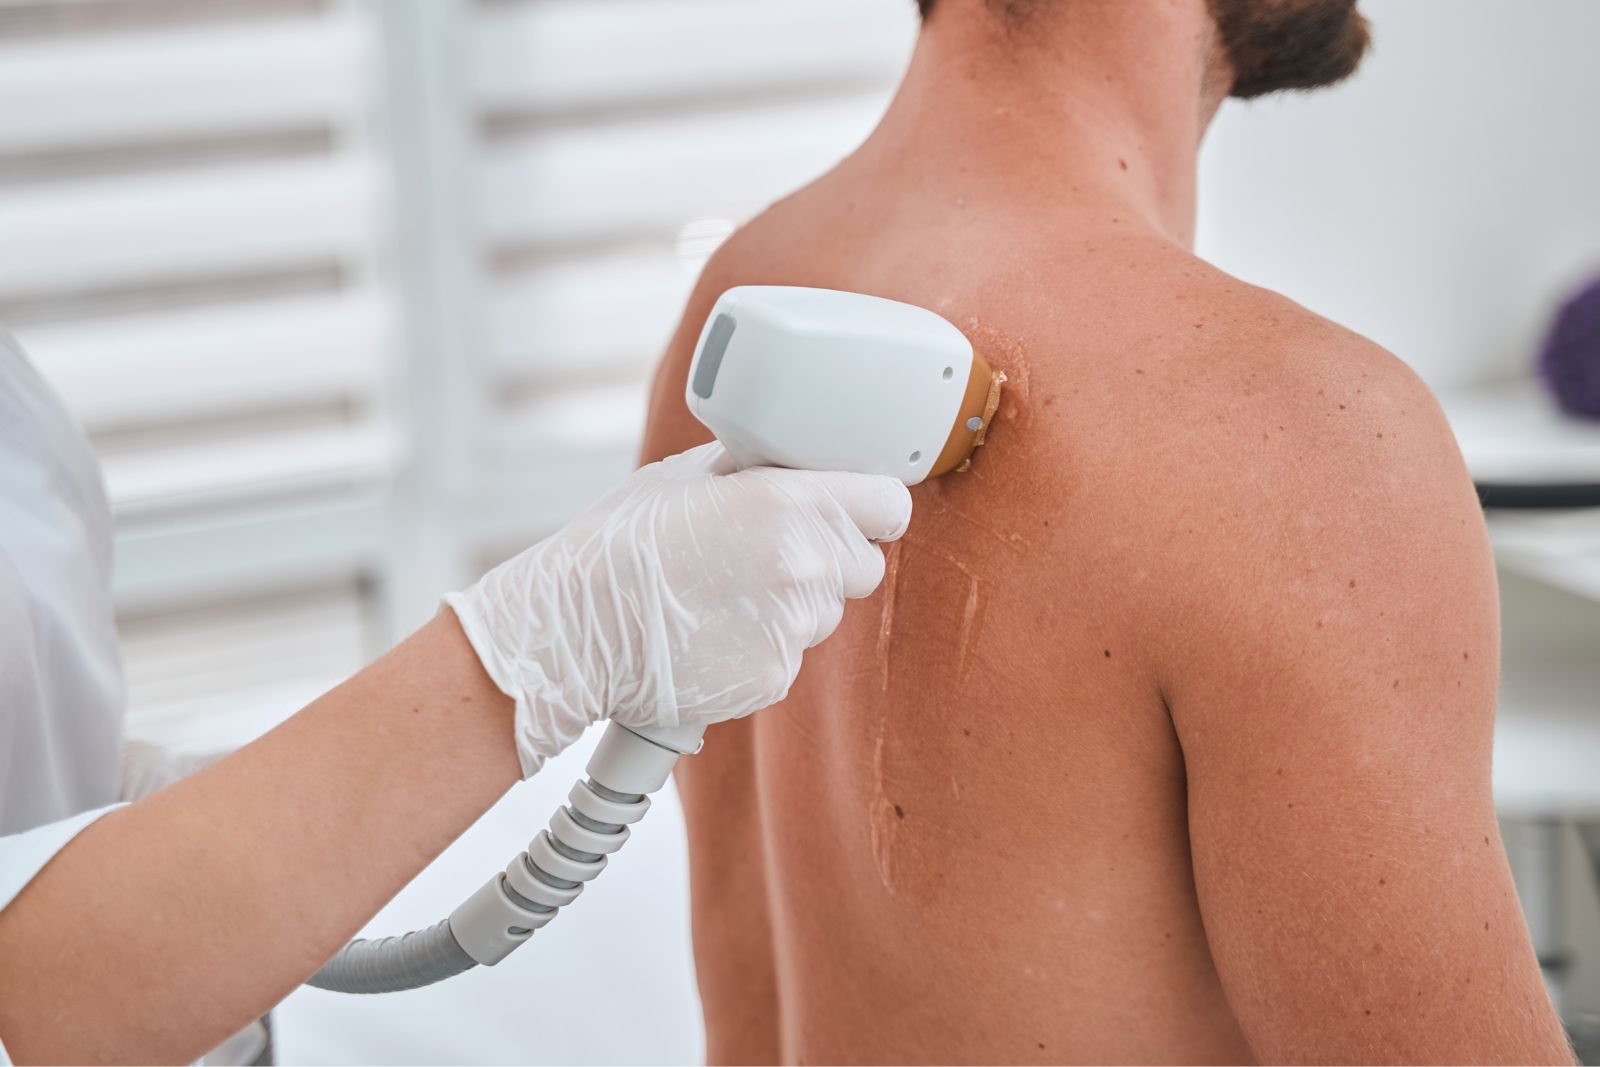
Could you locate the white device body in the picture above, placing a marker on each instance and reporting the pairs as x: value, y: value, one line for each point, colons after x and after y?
x: 815, y: 379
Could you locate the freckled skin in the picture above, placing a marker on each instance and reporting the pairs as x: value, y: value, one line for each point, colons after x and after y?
x: 851, y: 906
x: 893, y: 896
x: 1171, y: 710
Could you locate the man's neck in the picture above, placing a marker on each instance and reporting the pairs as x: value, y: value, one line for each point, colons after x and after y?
x: 1093, y: 109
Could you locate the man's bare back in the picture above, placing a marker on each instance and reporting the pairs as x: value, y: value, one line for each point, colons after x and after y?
x: 1036, y: 799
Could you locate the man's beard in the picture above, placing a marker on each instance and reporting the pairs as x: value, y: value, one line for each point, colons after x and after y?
x: 1289, y: 44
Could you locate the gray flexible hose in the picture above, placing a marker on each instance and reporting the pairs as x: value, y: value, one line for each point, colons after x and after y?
x: 626, y: 767
x: 390, y: 964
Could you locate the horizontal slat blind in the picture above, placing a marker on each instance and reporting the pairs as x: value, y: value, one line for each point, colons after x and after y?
x: 192, y: 209
x: 356, y: 296
x: 183, y: 83
x: 190, y: 220
x: 572, y: 185
x: 612, y: 309
x: 171, y: 366
x: 79, y: 237
x: 202, y: 678
x: 585, y: 55
x: 622, y: 140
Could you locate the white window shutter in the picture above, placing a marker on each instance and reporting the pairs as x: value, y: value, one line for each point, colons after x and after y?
x: 356, y: 296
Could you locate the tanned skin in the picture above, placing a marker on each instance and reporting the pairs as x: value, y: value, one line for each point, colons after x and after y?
x: 1168, y: 737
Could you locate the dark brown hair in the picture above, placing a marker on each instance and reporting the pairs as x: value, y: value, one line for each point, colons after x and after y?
x: 1012, y: 9
x: 1272, y: 45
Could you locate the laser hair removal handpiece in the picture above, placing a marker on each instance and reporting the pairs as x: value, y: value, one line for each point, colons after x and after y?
x: 805, y: 378
x: 822, y: 380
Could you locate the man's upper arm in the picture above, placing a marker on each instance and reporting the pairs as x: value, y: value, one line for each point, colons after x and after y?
x: 1331, y: 674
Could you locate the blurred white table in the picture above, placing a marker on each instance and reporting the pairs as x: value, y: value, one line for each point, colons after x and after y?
x: 1547, y: 739
x: 1511, y: 431
x: 1547, y: 733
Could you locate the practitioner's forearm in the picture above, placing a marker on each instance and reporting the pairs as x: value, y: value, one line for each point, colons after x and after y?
x: 164, y: 927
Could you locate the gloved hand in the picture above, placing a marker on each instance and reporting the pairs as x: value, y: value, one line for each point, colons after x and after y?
x: 686, y: 595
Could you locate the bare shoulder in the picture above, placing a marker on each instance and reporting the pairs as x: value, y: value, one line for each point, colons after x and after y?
x: 1310, y: 517
x: 1305, y: 394
x: 1329, y: 659
x: 1285, y: 434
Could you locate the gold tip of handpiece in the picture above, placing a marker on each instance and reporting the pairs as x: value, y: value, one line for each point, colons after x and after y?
x: 978, y: 407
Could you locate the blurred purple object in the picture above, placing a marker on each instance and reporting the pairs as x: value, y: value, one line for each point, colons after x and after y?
x: 1570, y: 360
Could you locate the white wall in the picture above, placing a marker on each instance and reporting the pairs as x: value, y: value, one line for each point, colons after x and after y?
x: 1440, y: 200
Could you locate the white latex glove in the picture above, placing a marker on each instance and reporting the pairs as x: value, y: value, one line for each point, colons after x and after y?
x: 686, y: 595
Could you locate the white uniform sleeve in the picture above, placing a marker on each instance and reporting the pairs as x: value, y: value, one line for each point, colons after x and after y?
x: 23, y: 855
